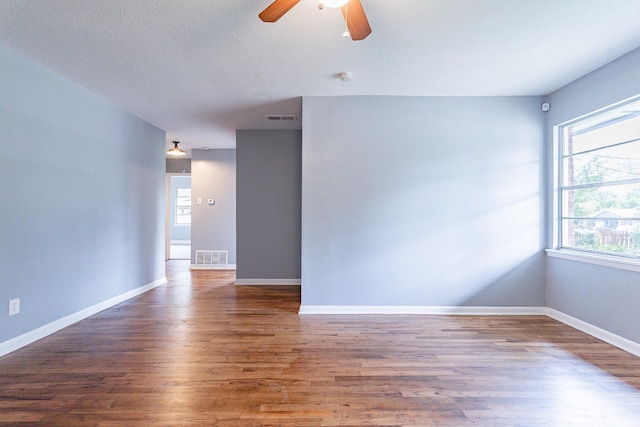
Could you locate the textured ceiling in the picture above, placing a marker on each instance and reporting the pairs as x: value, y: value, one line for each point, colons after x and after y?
x: 199, y: 69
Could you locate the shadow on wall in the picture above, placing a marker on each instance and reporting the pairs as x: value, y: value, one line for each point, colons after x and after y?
x: 517, y: 287
x: 481, y: 257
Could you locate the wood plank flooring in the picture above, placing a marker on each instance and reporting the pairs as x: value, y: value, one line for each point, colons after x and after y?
x: 203, y: 352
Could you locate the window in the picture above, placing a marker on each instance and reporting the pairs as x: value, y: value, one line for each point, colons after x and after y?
x: 183, y: 206
x: 599, y: 182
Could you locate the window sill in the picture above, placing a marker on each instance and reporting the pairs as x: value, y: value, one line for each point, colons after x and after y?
x: 603, y: 260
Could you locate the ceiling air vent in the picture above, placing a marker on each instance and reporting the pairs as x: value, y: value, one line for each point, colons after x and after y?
x: 283, y: 118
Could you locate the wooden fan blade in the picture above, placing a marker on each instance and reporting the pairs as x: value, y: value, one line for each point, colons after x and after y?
x: 277, y: 9
x: 357, y: 22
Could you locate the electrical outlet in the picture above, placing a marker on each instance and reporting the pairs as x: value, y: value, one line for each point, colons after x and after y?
x: 14, y: 306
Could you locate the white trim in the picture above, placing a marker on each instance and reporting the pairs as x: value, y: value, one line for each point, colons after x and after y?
x: 167, y: 210
x: 212, y: 267
x: 268, y: 282
x: 48, y: 329
x: 181, y: 242
x: 597, y: 259
x: 606, y: 336
x: 447, y: 310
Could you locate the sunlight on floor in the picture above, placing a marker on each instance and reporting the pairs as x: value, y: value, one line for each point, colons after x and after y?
x: 600, y: 398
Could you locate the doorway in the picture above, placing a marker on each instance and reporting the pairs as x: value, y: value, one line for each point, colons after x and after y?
x: 179, y: 216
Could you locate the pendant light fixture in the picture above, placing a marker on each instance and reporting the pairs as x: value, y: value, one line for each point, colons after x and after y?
x: 175, y: 151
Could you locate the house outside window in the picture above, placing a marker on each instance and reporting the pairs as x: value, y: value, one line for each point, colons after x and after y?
x: 599, y: 182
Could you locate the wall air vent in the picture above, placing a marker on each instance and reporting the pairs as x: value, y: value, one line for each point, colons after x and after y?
x: 283, y: 118
x: 212, y: 257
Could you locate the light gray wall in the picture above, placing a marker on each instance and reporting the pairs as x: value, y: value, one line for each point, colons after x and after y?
x: 83, y: 201
x: 269, y: 203
x: 605, y: 297
x: 182, y: 231
x: 422, y: 201
x: 213, y: 176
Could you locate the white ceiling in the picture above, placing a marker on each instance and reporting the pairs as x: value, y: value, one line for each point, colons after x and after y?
x: 200, y: 69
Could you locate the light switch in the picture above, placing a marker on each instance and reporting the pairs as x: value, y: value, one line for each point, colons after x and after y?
x: 211, y: 202
x: 199, y: 200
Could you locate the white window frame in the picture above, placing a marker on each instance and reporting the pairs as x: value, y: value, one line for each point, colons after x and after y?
x: 177, y: 207
x: 621, y: 261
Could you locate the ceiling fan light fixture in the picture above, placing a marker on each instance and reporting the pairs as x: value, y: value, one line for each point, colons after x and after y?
x: 175, y: 151
x: 334, y: 3
x: 354, y: 16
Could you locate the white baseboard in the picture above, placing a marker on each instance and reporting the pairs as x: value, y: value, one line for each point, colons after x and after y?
x: 212, y: 267
x: 606, y: 336
x: 448, y: 310
x: 611, y: 338
x: 268, y: 282
x: 48, y: 329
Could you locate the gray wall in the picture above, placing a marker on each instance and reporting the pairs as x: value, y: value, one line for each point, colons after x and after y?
x: 83, y: 206
x: 268, y: 203
x: 605, y: 297
x: 178, y: 165
x: 181, y: 231
x: 213, y: 176
x: 422, y: 201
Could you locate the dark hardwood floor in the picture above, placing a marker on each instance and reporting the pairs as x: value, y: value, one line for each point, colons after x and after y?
x: 201, y: 351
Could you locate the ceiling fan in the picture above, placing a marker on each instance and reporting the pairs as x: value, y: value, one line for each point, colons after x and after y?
x: 352, y: 10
